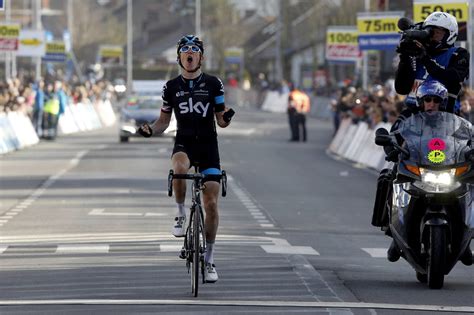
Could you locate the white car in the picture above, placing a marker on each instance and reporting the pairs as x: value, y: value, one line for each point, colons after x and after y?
x: 138, y: 110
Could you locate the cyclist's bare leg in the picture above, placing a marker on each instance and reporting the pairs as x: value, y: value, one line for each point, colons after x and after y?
x: 210, y: 196
x: 181, y: 165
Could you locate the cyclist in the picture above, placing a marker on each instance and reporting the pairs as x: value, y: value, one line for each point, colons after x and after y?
x: 197, y: 100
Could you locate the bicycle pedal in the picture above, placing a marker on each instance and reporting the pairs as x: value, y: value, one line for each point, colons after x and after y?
x: 182, y: 254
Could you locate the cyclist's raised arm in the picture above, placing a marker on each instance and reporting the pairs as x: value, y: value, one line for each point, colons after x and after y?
x: 160, y: 125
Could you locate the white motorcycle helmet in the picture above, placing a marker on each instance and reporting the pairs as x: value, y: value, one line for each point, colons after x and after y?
x: 446, y: 21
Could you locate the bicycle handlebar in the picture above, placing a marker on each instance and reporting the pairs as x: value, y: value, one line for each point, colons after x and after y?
x: 194, y: 176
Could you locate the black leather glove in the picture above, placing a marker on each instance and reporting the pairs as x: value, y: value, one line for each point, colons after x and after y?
x: 228, y: 115
x: 145, y: 130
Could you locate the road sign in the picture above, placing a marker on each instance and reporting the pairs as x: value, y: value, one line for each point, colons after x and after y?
x: 55, y: 52
x: 458, y: 8
x: 378, y: 30
x: 110, y: 55
x: 32, y: 43
x: 9, y: 34
x: 2, y: 5
x: 342, y: 44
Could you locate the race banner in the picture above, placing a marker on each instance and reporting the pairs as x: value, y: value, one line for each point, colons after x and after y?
x: 32, y: 43
x: 55, y: 52
x: 9, y: 35
x: 342, y: 44
x: 378, y: 30
x: 111, y: 55
x: 458, y: 8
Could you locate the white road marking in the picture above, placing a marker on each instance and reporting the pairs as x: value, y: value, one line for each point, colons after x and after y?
x: 272, y: 233
x: 103, y: 213
x: 170, y: 247
x: 3, y: 248
x: 3, y: 221
x: 289, y: 250
x: 376, y: 252
x: 267, y: 225
x: 6, y: 217
x: 74, y: 249
x: 270, y: 304
x: 11, y: 213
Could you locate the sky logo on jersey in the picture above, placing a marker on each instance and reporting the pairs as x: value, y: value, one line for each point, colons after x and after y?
x: 189, y: 107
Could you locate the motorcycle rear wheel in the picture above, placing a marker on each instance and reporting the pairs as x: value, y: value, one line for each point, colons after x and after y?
x: 437, y: 257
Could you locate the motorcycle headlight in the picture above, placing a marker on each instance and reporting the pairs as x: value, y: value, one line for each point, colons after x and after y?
x: 437, y: 181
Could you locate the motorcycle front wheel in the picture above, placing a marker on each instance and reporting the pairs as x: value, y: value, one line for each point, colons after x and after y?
x: 437, y: 256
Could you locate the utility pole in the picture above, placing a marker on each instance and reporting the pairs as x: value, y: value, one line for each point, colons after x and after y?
x: 8, y: 55
x: 278, y: 65
x: 198, y: 18
x: 37, y: 25
x: 129, y: 46
x: 365, y: 58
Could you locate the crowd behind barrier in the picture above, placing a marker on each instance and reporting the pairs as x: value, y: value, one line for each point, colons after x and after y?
x: 26, y: 116
x: 357, y: 114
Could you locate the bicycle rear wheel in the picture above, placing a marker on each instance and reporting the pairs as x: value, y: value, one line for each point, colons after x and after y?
x: 195, y: 268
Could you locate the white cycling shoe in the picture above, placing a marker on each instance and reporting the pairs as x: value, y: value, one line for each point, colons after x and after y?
x: 179, y: 228
x: 210, y: 273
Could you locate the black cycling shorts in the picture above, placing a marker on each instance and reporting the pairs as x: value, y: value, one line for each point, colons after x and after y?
x: 203, y: 153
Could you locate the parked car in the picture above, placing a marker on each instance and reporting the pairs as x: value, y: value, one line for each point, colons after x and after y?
x: 138, y: 110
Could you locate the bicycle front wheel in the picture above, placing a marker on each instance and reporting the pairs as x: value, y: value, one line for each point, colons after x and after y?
x: 196, y: 250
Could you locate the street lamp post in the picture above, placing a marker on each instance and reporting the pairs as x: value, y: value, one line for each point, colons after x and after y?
x: 129, y: 46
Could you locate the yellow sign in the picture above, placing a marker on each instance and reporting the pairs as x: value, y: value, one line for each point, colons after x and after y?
x: 436, y: 156
x: 31, y: 42
x: 111, y: 52
x: 342, y: 37
x: 9, y: 30
x: 459, y: 9
x: 55, y: 48
x: 377, y: 25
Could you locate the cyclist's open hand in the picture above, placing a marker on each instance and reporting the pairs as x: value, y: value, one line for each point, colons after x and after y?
x: 145, y: 130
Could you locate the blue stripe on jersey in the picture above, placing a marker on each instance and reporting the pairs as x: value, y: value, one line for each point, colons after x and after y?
x: 219, y: 99
x: 211, y: 171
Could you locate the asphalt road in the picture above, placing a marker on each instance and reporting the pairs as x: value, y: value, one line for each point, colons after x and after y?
x: 85, y: 222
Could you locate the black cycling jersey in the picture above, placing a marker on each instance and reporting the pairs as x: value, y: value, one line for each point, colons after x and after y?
x: 194, y: 103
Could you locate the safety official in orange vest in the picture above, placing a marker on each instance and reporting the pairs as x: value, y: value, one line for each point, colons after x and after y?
x: 298, y: 106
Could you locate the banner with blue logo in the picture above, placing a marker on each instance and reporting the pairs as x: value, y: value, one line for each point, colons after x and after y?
x: 378, y: 30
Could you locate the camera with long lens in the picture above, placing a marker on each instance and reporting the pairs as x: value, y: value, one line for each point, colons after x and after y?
x: 411, y: 32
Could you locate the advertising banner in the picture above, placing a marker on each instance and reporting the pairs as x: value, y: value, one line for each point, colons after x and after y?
x: 342, y: 44
x: 111, y: 55
x: 9, y: 36
x: 32, y: 43
x: 55, y: 52
x: 378, y: 30
x: 459, y: 9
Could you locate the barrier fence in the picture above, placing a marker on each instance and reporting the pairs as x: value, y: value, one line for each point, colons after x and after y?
x: 17, y: 131
x: 356, y: 143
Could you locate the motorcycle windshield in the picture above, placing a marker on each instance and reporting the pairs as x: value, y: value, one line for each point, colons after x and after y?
x: 436, y: 138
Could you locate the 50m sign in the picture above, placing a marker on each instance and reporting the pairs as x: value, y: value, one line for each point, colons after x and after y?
x: 457, y: 8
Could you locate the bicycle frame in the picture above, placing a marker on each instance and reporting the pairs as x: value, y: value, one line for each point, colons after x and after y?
x: 194, y: 245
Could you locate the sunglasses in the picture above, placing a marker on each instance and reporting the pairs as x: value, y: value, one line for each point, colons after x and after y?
x: 187, y: 48
x: 435, y: 99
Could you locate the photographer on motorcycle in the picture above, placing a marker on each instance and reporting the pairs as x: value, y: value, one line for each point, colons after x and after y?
x: 431, y: 96
x: 427, y: 52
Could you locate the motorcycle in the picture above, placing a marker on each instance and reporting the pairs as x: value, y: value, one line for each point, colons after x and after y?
x: 431, y: 218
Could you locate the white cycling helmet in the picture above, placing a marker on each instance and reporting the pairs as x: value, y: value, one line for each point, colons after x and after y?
x: 446, y: 21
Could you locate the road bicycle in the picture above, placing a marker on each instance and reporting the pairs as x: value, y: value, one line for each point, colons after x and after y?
x: 194, y: 245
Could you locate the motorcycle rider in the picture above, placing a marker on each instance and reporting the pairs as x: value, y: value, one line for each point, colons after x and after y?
x: 438, y: 59
x: 431, y: 96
